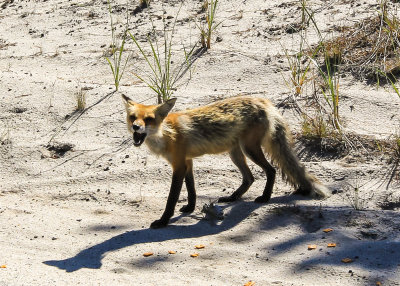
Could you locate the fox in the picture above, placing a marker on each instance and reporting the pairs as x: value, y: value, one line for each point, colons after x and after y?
x: 243, y: 126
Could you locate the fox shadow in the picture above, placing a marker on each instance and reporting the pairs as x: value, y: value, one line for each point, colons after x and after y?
x: 91, y: 257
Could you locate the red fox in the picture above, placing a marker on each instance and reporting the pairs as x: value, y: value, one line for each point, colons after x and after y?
x: 242, y: 126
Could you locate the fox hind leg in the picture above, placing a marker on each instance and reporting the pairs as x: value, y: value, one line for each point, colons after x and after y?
x: 189, y: 182
x: 254, y: 151
x: 239, y: 160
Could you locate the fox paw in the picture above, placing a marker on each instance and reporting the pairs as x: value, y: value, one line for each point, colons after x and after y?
x: 187, y: 209
x: 159, y: 223
x: 261, y: 200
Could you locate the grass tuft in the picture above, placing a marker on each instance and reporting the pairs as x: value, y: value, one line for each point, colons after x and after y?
x: 314, y: 127
x: 370, y: 47
x: 324, y: 79
x: 356, y: 197
x: 80, y: 97
x: 208, y: 25
x: 116, y: 51
x: 165, y: 71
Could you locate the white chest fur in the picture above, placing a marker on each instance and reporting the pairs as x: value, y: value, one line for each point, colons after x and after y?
x: 156, y: 144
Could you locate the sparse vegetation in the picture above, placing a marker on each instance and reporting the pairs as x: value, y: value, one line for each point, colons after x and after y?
x: 394, y: 158
x: 314, y: 126
x: 105, y: 191
x: 165, y: 73
x: 330, y: 88
x: 357, y: 198
x: 299, y: 65
x: 80, y: 97
x: 208, y: 25
x: 116, y: 51
x: 298, y: 72
x: 322, y: 77
x: 392, y: 81
x: 370, y: 46
x: 368, y: 50
x: 397, y: 147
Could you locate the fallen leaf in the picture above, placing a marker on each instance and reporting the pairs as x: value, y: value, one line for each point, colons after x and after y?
x: 3, y: 266
x: 347, y: 260
x: 312, y: 246
x: 250, y: 283
x: 146, y: 254
x: 378, y: 283
x: 326, y: 230
x: 171, y: 252
x: 199, y: 246
x: 194, y: 255
x: 331, y: 244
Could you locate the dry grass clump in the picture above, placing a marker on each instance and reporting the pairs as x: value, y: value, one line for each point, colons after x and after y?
x: 323, y: 78
x: 80, y: 97
x: 329, y: 143
x: 315, y: 126
x: 370, y: 48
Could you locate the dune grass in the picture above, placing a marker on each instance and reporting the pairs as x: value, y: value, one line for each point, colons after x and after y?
x: 166, y: 68
x: 116, y: 63
x: 209, y: 24
x: 80, y: 97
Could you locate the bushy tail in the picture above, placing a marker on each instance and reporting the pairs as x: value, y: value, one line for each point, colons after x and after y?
x: 278, y: 144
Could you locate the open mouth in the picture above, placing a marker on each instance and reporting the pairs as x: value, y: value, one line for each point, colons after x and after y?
x: 138, y: 138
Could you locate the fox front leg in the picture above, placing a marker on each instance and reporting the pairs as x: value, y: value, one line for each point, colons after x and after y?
x: 176, y: 186
x: 189, y: 181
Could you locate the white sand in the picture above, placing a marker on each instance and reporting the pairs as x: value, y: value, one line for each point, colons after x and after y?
x: 84, y: 218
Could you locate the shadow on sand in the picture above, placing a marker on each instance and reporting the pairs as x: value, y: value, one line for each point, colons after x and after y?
x: 92, y: 256
x: 380, y: 256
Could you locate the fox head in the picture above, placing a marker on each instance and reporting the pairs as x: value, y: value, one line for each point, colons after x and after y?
x: 144, y: 120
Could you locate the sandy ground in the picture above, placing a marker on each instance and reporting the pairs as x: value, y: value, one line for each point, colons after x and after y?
x: 82, y: 217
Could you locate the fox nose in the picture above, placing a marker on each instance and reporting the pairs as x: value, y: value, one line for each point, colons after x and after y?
x: 135, y: 127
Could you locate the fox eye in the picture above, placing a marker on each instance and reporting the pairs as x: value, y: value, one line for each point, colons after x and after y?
x: 132, y: 118
x: 148, y: 120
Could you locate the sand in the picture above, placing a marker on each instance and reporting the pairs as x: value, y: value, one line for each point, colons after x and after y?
x: 77, y: 198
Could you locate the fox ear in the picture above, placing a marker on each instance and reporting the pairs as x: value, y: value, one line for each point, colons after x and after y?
x: 126, y: 99
x: 166, y: 107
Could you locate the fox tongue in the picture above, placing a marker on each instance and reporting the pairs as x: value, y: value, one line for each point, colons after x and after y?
x: 138, y: 138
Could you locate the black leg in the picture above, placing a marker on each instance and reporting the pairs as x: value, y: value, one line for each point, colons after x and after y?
x: 239, y: 160
x: 256, y: 154
x: 176, y: 186
x: 189, y: 181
